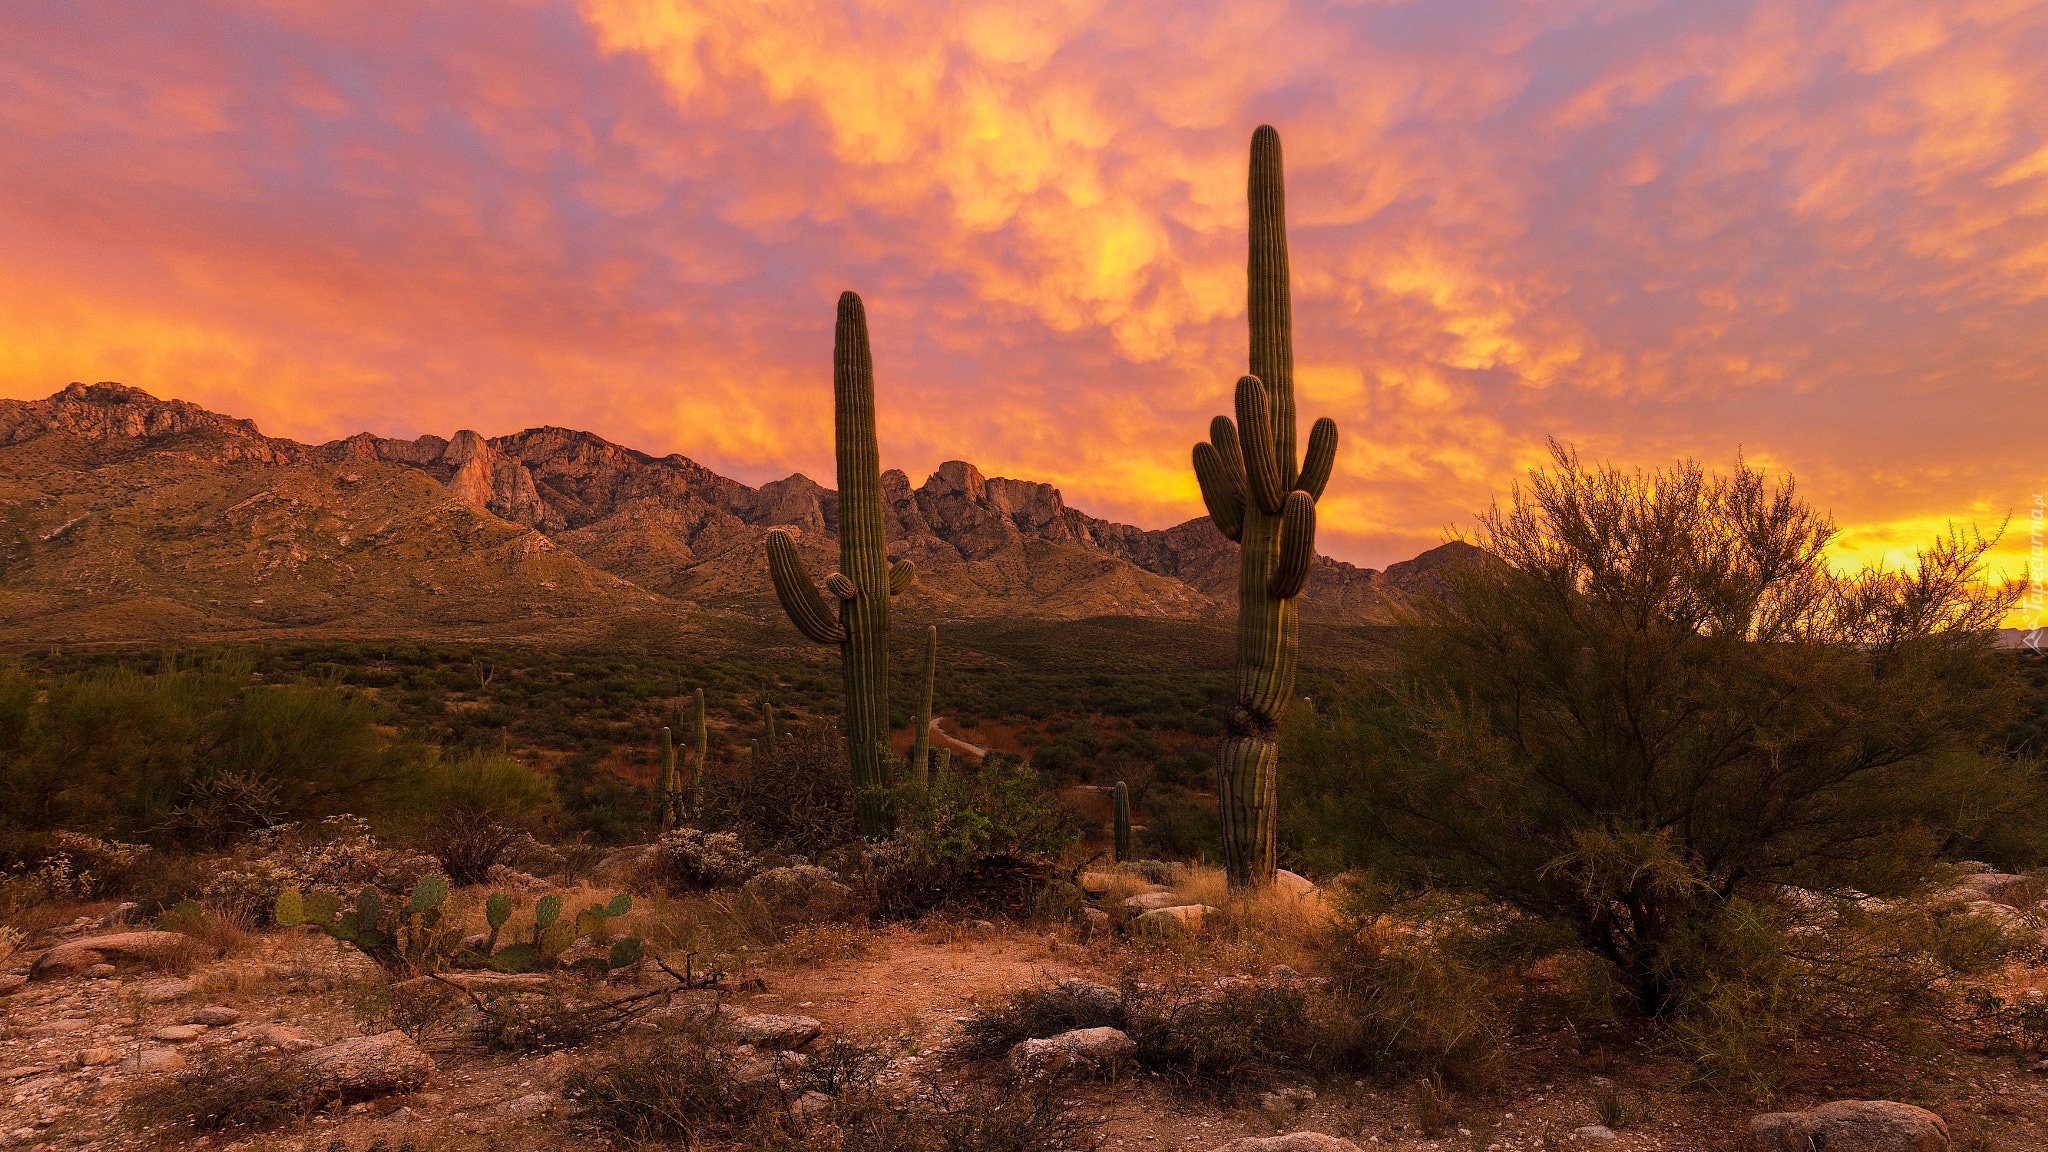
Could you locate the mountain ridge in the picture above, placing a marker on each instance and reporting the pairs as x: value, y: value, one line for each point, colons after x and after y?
x: 550, y: 521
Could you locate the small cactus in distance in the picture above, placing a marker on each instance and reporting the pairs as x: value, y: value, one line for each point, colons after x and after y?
x: 865, y: 581
x: 701, y: 732
x: 668, y: 791
x: 921, y: 744
x: 1123, y: 822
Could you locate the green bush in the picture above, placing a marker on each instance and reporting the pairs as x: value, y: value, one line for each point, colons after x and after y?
x: 1654, y: 705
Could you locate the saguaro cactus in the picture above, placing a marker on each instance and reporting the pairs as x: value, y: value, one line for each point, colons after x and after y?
x: 670, y: 790
x: 865, y: 580
x: 1123, y: 822
x: 921, y: 746
x: 701, y: 732
x: 1257, y: 496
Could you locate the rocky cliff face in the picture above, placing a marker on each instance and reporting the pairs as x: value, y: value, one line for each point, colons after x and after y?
x: 983, y: 545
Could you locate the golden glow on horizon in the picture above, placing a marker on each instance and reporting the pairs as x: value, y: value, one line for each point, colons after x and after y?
x: 1815, y: 232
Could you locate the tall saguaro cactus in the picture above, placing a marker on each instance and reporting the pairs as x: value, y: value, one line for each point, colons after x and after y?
x: 865, y: 580
x: 667, y: 801
x: 1123, y: 822
x: 921, y: 745
x: 1260, y: 497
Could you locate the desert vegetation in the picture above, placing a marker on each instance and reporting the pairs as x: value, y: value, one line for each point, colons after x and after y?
x: 1647, y: 829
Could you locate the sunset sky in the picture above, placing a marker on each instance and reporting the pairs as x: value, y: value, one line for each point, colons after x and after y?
x: 1815, y: 233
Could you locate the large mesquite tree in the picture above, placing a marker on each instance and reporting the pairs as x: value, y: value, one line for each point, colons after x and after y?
x: 1259, y: 495
x: 865, y: 580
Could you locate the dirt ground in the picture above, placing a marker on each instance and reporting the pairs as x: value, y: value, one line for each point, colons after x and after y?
x: 73, y: 1051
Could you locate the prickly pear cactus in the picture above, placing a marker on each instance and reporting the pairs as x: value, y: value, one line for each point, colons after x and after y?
x: 1259, y: 495
x: 865, y: 581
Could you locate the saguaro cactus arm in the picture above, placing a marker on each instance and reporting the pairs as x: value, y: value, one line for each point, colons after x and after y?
x: 838, y: 585
x: 807, y: 610
x: 1322, y: 456
x: 1220, y: 493
x: 1297, y: 547
x: 1262, y: 467
x: 901, y: 574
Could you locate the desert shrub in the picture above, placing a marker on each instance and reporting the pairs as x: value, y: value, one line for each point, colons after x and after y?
x: 240, y: 1087
x: 693, y: 860
x: 797, y: 801
x: 1036, y: 1013
x: 1655, y: 701
x: 1180, y: 824
x: 471, y: 808
x: 660, y: 1089
x: 336, y: 855
x: 1229, y: 1040
x: 422, y: 1009
x: 224, y: 929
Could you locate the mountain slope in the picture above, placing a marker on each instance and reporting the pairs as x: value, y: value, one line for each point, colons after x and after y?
x: 132, y: 517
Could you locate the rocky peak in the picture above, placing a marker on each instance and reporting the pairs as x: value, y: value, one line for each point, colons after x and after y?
x: 798, y: 502
x: 111, y: 414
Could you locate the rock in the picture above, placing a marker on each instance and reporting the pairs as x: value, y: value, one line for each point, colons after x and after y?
x: 1850, y: 1126
x: 530, y: 1105
x: 810, y: 1104
x: 97, y: 1055
x: 1292, y: 1142
x: 367, y: 1065
x: 1293, y: 883
x: 154, y: 1060
x: 1287, y: 1099
x: 1186, y: 916
x: 1151, y: 900
x: 100, y: 971
x: 140, y: 947
x: 283, y: 1036
x: 214, y: 1015
x: 1593, y: 1132
x: 2003, y: 887
x: 1082, y: 1050
x: 1084, y: 999
x: 167, y: 991
x: 778, y: 1032
x: 12, y: 983
x: 179, y: 1033
x: 58, y: 1027
x: 1091, y: 921
x: 513, y: 879
x: 22, y: 1072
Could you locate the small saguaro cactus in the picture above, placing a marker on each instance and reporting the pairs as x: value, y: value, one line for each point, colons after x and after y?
x: 865, y: 580
x: 668, y: 793
x: 1258, y: 495
x: 921, y: 745
x: 767, y: 728
x: 1123, y: 822
x: 701, y: 732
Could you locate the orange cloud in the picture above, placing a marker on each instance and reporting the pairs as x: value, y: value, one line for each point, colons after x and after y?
x: 1813, y: 232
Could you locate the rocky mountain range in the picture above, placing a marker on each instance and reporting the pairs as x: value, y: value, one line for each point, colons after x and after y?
x: 127, y: 517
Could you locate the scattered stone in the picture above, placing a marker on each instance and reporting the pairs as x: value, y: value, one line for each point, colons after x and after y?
x: 1593, y: 1132
x: 810, y: 1104
x: 778, y: 1032
x: 503, y: 877
x: 1845, y: 1125
x: 402, y: 1115
x: 154, y: 1060
x: 139, y: 947
x: 530, y: 1105
x: 1293, y: 883
x: 1151, y: 900
x: 367, y: 1065
x: 166, y: 992
x: 1287, y: 1099
x: 283, y: 1036
x: 2003, y: 887
x: 97, y: 1055
x: 1090, y: 920
x: 214, y: 1015
x: 100, y: 971
x: 12, y: 983
x: 983, y: 926
x: 1082, y: 1050
x: 1186, y: 916
x: 179, y: 1033
x: 60, y: 1027
x: 19, y: 1073
x: 1292, y: 1142
x: 1084, y: 998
